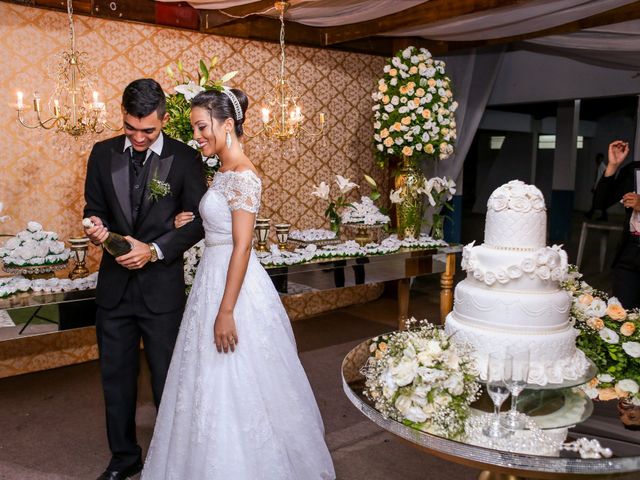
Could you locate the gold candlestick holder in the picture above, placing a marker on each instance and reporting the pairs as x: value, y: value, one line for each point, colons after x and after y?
x: 261, y: 231
x: 282, y: 233
x: 79, y: 247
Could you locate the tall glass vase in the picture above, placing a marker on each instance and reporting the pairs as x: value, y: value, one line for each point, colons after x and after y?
x: 409, y: 211
x: 437, y: 227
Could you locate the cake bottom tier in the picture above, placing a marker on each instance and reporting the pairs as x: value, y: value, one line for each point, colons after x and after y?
x: 554, y: 357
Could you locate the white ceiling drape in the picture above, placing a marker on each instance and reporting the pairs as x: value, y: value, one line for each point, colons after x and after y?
x: 518, y: 19
x: 321, y: 13
x: 615, y: 46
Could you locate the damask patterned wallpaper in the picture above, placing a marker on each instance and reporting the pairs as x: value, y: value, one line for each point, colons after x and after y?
x: 43, y: 172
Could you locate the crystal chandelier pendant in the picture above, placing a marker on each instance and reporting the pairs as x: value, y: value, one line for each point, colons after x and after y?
x: 282, y: 116
x: 72, y: 110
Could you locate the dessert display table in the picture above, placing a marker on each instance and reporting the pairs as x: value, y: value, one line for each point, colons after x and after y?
x: 39, y: 352
x: 603, y: 424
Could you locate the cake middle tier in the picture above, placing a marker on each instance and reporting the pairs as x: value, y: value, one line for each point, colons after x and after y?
x: 521, y: 312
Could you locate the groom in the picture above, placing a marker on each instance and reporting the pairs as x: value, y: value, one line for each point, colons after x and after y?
x: 140, y: 294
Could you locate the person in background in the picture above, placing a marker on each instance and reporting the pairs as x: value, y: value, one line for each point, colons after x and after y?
x: 601, y: 165
x: 623, y: 188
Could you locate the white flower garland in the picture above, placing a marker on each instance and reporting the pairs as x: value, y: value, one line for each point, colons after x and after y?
x: 547, y: 263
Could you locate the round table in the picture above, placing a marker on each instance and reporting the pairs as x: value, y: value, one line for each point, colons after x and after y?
x: 603, y: 425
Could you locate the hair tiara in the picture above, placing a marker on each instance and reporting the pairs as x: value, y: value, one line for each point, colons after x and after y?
x: 234, y: 100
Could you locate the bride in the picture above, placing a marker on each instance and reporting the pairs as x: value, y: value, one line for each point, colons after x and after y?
x: 237, y: 404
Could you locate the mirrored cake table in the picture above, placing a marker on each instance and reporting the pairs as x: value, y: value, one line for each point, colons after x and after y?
x: 567, y: 412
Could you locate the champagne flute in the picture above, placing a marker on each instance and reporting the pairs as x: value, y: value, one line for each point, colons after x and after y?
x: 498, y: 375
x: 519, y: 376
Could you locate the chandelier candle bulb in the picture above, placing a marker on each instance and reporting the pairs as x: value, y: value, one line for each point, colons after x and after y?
x: 20, y: 101
x: 115, y: 243
x: 56, y: 108
x: 36, y: 102
x: 322, y: 119
x: 265, y: 115
x: 96, y: 104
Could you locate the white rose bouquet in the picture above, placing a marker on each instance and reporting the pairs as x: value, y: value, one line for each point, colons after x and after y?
x: 609, y: 336
x: 179, y: 104
x: 421, y: 378
x: 414, y: 108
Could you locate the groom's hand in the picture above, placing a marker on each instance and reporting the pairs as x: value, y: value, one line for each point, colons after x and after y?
x: 137, y: 257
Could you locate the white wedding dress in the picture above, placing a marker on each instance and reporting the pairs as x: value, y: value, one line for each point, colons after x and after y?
x: 247, y: 415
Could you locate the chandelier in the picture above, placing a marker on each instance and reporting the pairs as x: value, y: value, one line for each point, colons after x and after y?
x: 282, y: 116
x: 70, y: 110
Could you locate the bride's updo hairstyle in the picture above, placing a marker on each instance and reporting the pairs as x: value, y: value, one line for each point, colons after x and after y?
x: 221, y: 105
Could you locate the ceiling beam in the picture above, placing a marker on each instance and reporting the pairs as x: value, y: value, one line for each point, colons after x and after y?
x: 625, y: 13
x: 423, y: 14
x: 216, y: 18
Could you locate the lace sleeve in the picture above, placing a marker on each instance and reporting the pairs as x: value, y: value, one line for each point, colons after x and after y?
x: 243, y: 191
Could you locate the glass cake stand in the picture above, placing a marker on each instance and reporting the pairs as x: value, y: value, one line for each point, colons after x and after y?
x: 563, y: 410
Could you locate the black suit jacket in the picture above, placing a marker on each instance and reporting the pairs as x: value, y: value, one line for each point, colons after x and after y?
x: 610, y: 190
x: 107, y: 196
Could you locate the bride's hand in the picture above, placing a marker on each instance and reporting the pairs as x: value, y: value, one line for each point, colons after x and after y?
x: 224, y: 332
x: 183, y: 218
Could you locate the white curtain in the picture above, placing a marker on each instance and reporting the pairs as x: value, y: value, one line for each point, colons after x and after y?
x: 516, y: 19
x: 473, y: 75
x: 321, y: 13
x: 614, y: 46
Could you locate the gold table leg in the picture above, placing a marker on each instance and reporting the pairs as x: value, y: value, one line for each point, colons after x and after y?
x: 446, y: 287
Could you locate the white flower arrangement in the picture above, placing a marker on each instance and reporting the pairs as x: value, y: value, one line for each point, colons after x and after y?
x: 364, y: 212
x: 421, y: 378
x: 345, y: 249
x: 438, y: 190
x: 332, y: 212
x: 414, y: 108
x: 34, y: 247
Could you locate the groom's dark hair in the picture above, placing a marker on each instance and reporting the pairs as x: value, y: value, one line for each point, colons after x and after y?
x: 143, y: 97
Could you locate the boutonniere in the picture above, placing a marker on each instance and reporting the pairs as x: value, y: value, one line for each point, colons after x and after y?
x: 158, y: 188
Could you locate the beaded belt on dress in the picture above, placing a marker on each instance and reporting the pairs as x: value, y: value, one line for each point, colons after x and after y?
x: 209, y: 243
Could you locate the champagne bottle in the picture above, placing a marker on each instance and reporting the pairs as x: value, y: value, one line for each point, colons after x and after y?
x: 115, y: 243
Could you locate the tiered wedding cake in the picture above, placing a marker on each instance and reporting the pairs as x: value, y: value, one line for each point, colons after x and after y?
x: 511, y: 297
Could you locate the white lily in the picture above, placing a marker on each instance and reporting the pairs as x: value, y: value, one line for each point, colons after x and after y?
x: 451, y: 185
x: 189, y: 90
x: 321, y: 191
x: 427, y: 188
x: 345, y: 185
x: 395, y: 196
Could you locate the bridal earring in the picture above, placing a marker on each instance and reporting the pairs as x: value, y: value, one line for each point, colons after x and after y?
x: 227, y: 140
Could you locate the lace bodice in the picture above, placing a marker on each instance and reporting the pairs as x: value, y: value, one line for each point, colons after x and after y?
x: 229, y: 191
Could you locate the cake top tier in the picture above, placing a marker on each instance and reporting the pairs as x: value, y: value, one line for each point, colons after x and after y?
x: 516, y: 217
